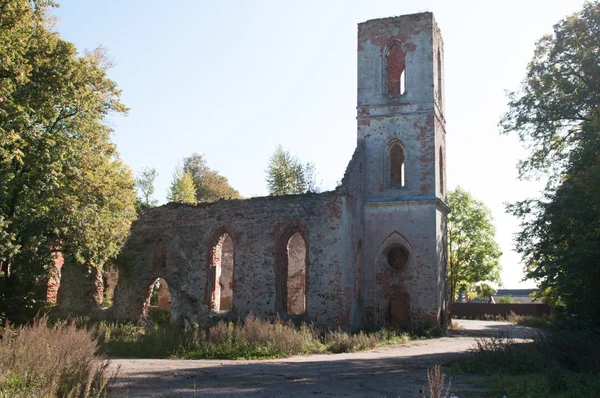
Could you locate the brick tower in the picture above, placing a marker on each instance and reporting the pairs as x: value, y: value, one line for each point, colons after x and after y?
x: 400, y: 115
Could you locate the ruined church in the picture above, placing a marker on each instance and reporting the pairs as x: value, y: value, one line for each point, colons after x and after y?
x: 370, y: 253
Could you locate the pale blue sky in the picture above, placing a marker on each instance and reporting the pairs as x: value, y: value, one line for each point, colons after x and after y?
x: 232, y: 79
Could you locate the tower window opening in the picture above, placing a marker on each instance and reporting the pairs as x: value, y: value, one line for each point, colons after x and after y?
x: 439, y: 76
x: 395, y: 65
x: 396, y: 166
x: 441, y: 172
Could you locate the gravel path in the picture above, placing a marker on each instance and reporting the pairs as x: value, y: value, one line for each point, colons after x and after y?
x: 391, y: 371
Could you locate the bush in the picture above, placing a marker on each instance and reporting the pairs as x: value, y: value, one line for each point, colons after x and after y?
x: 555, y: 364
x: 43, y: 361
x: 250, y: 338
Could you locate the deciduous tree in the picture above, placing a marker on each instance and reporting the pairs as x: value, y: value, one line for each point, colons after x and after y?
x: 210, y: 185
x: 62, y: 184
x: 556, y: 115
x: 145, y: 185
x: 287, y: 175
x: 473, y: 254
x: 182, y: 188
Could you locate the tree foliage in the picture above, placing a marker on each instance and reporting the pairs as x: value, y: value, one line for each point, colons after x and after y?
x: 556, y: 114
x: 62, y: 185
x: 473, y: 254
x: 560, y: 92
x: 287, y: 175
x: 145, y: 185
x: 182, y: 188
x: 210, y: 185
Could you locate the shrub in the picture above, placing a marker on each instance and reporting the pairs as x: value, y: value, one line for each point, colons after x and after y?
x: 338, y: 341
x: 43, y: 361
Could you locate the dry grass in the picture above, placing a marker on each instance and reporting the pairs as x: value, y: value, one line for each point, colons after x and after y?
x: 250, y: 338
x: 43, y: 361
x: 339, y: 341
x: 436, y: 384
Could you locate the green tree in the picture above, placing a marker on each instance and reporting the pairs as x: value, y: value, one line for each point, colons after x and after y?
x: 286, y: 175
x: 556, y: 115
x: 182, y: 188
x: 62, y: 184
x: 473, y: 254
x: 210, y: 185
x: 559, y: 94
x: 145, y: 185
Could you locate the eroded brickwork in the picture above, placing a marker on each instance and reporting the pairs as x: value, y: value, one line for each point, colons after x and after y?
x: 371, y: 252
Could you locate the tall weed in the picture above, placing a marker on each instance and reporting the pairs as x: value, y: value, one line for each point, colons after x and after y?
x: 58, y: 361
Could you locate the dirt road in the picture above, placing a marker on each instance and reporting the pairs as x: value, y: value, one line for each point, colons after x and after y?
x: 391, y: 371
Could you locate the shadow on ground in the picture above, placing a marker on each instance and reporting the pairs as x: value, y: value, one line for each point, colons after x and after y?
x: 381, y: 377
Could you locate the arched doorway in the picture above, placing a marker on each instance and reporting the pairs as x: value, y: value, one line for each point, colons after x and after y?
x: 398, y: 311
x: 159, y: 301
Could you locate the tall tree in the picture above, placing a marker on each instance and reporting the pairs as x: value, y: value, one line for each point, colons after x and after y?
x: 210, y: 185
x: 145, y: 185
x: 473, y: 254
x: 182, y: 188
x: 559, y: 93
x: 287, y: 175
x: 62, y: 184
x: 556, y: 115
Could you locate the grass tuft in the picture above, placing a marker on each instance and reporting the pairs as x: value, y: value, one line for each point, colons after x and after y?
x: 58, y: 361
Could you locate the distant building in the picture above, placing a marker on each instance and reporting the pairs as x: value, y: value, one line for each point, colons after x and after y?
x: 519, y: 296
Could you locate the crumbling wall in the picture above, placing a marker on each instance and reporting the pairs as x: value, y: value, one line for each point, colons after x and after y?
x: 257, y: 227
x: 81, y: 288
x: 353, y: 186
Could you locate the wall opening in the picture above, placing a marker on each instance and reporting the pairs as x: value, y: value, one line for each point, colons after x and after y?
x: 441, y: 163
x: 296, y: 282
x: 396, y: 157
x: 160, y: 297
x: 395, y: 68
x: 291, y: 275
x: 221, y: 274
x: 397, y: 257
x: 398, y: 311
x: 439, y: 77
x: 358, y: 271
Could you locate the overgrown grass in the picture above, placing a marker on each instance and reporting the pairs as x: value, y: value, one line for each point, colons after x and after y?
x: 555, y: 364
x: 251, y: 338
x: 540, y: 322
x: 43, y: 361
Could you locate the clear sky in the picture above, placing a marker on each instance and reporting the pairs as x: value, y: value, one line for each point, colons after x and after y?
x: 232, y: 79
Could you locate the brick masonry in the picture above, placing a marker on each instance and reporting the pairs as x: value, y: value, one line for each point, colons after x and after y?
x: 322, y: 257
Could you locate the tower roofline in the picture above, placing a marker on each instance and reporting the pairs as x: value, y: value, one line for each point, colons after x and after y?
x: 405, y: 16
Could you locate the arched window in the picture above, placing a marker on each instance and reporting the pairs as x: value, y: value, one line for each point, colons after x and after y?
x: 439, y: 76
x: 441, y: 162
x: 291, y: 274
x: 396, y: 169
x: 358, y: 271
x: 395, y: 65
x: 220, y: 274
